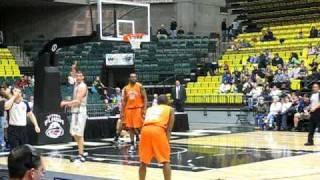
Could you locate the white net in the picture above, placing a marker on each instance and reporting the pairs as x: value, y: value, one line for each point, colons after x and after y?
x: 135, y: 42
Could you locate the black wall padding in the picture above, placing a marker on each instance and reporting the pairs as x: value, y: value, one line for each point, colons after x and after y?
x: 47, y: 97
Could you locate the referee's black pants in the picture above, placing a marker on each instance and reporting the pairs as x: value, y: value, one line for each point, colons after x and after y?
x: 17, y: 135
x: 314, y: 123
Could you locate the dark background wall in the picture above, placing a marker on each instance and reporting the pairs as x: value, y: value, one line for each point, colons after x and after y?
x: 21, y: 23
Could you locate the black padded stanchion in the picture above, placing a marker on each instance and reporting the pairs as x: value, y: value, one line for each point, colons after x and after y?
x: 47, y: 97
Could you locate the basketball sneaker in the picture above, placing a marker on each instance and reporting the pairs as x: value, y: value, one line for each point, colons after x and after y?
x: 137, y: 138
x: 132, y: 149
x: 78, y: 159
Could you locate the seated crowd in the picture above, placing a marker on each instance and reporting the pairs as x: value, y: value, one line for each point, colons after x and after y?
x: 162, y: 33
x: 267, y: 88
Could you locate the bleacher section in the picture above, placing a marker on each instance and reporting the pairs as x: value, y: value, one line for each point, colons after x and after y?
x: 205, y: 90
x: 90, y: 57
x: 238, y: 58
x: 33, y: 47
x: 278, y: 12
x: 159, y: 60
x: 8, y: 65
x: 154, y: 62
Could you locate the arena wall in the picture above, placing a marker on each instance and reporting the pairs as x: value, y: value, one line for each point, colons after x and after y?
x: 198, y: 16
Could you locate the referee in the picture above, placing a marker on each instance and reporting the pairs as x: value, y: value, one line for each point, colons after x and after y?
x: 314, y: 112
x: 19, y: 110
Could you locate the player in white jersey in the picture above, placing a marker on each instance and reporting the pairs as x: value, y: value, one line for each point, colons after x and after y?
x: 78, y: 107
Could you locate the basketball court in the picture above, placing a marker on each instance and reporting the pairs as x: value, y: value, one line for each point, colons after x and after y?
x: 199, y: 154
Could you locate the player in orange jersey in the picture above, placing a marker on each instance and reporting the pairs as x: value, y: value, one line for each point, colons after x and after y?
x: 134, y: 104
x: 155, y: 137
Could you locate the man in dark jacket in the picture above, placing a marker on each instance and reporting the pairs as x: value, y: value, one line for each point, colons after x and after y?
x: 179, y: 96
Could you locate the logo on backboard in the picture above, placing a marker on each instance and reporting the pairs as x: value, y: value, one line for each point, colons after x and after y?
x: 55, y: 126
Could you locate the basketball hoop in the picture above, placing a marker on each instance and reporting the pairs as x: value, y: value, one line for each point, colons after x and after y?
x: 134, y: 40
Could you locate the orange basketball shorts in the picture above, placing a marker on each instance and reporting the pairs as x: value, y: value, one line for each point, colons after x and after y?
x: 133, y: 118
x: 154, y: 144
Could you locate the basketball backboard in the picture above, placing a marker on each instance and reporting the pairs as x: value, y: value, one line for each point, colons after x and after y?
x: 118, y: 18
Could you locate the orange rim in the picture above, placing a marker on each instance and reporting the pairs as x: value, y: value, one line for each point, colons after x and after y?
x: 127, y: 37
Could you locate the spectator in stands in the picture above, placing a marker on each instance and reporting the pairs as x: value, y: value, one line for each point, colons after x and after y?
x: 225, y: 87
x: 254, y: 39
x: 244, y: 44
x: 117, y: 101
x: 277, y: 60
x: 247, y: 85
x: 24, y: 162
x: 262, y: 61
x: 224, y: 30
x: 318, y: 49
x: 97, y: 86
x: 6, y: 89
x: 31, y: 102
x: 274, y: 112
x: 252, y: 59
x: 227, y: 78
x: 235, y: 45
x: 285, y: 80
x: 180, y: 31
x: 286, y: 105
x: 315, y: 76
x: 302, y: 111
x: 71, y: 79
x: 294, y: 72
x: 312, y: 50
x: 173, y: 28
x: 266, y: 91
x: 253, y: 74
x: 162, y: 32
x: 300, y: 35
x: 235, y: 28
x: 303, y: 73
x: 313, y: 32
x: 275, y: 91
x: 314, y: 65
x: 230, y: 32
x: 31, y: 81
x: 107, y: 99
x: 233, y: 88
x: 269, y: 74
x: 261, y: 110
x: 268, y: 36
x: 259, y: 80
x: 245, y: 72
x: 226, y: 68
x: 3, y: 121
x: 155, y: 100
x: 237, y: 78
x: 253, y: 95
x: 23, y: 82
x: 268, y: 55
x: 294, y: 60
